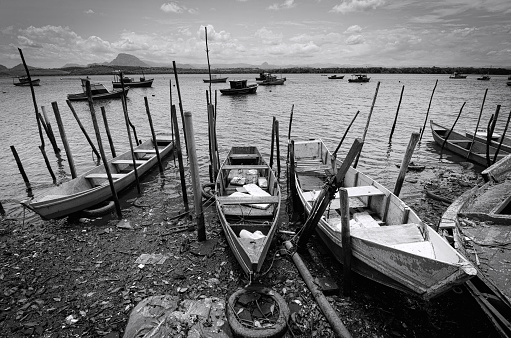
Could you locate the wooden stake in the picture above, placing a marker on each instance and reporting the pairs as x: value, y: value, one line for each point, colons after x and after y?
x: 82, y: 128
x: 49, y: 131
x: 406, y: 161
x: 180, y: 158
x: 345, y: 133
x: 345, y: 241
x: 272, y: 141
x: 209, y: 67
x: 194, y: 169
x: 155, y: 141
x: 427, y: 113
x: 397, y: 113
x: 289, y: 132
x: 450, y: 131
x: 502, y: 138
x: 180, y: 104
x: 107, y: 129
x: 277, y: 146
x: 489, y: 133
x: 63, y: 137
x: 20, y: 167
x: 100, y: 145
x: 367, y: 123
x: 477, y: 125
x: 171, y: 121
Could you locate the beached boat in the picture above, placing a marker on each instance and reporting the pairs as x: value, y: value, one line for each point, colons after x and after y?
x: 92, y: 188
x: 336, y: 77
x: 131, y: 82
x: 248, y: 205
x: 361, y: 78
x: 457, y: 75
x: 462, y: 145
x: 478, y: 225
x: 390, y: 243
x: 496, y: 139
x: 238, y: 87
x: 486, y: 77
x: 23, y: 81
x: 272, y: 80
x: 98, y: 92
x: 215, y: 79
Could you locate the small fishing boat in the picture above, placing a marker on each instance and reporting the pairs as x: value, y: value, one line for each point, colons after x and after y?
x: 457, y: 75
x: 92, y: 188
x: 336, y: 77
x: 390, y: 243
x: 478, y: 225
x: 23, y: 81
x: 98, y: 92
x: 509, y: 82
x: 215, y: 79
x: 272, y: 80
x: 248, y: 205
x: 497, y: 140
x: 238, y: 87
x: 359, y: 78
x: 131, y: 82
x: 486, y: 77
x: 462, y: 145
x: 262, y: 76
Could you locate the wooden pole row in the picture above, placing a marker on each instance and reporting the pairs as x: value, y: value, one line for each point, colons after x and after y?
x: 477, y: 125
x: 180, y: 104
x: 179, y: 157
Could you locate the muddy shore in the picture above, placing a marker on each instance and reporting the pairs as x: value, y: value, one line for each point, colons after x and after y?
x: 80, y: 277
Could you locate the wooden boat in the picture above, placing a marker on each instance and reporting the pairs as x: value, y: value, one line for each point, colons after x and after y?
x: 24, y: 82
x: 336, y: 77
x: 248, y: 205
x: 390, y: 243
x: 462, y: 145
x: 361, y: 78
x: 496, y: 139
x: 131, y: 82
x: 478, y: 225
x: 239, y: 87
x: 272, y: 80
x: 215, y: 79
x: 92, y: 187
x: 262, y: 76
x: 457, y: 75
x: 98, y: 92
x: 484, y: 78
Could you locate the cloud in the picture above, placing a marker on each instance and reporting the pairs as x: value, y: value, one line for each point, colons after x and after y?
x: 174, y: 7
x: 213, y: 35
x: 355, y: 40
x: 318, y: 39
x: 268, y: 37
x: 347, y: 6
x: 285, y: 5
x: 89, y: 12
x: 353, y: 29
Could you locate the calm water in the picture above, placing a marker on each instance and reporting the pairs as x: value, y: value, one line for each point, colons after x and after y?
x: 322, y: 108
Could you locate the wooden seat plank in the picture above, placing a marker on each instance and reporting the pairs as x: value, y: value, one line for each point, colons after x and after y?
x: 366, y: 190
x: 104, y: 176
x: 244, y: 166
x: 128, y: 162
x: 227, y: 200
x: 390, y: 234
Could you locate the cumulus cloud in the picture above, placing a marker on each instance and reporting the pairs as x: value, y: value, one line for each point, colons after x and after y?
x: 268, y: 37
x: 174, y: 7
x: 347, y: 6
x: 355, y: 40
x: 89, y: 12
x: 285, y: 5
x: 317, y: 39
x: 213, y: 35
x: 353, y: 29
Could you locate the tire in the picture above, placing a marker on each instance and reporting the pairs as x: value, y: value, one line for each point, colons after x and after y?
x: 207, y: 190
x: 103, y: 209
x: 277, y: 330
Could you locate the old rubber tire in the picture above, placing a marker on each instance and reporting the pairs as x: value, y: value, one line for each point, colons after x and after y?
x: 103, y: 209
x: 208, y: 190
x: 277, y: 330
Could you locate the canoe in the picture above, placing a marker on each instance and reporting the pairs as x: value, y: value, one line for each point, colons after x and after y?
x: 248, y: 205
x: 92, y: 188
x: 130, y: 82
x: 390, y: 243
x: 215, y: 79
x: 461, y: 144
x: 481, y: 135
x: 24, y: 82
x: 478, y: 224
x: 98, y: 92
x: 336, y: 77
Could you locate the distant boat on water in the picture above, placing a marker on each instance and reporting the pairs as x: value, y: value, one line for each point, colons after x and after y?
x: 23, y: 81
x: 129, y: 81
x: 98, y: 91
x: 359, y: 78
x: 336, y: 77
x: 215, y: 79
x: 486, y: 77
x: 239, y: 87
x: 457, y: 75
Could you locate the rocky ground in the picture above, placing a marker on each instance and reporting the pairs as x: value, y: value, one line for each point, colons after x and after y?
x: 82, y: 277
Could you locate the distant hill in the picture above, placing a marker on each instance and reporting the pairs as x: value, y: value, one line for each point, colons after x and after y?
x: 69, y: 65
x: 127, y: 60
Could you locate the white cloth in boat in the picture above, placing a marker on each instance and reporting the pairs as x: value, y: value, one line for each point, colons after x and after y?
x: 243, y: 176
x: 252, y: 190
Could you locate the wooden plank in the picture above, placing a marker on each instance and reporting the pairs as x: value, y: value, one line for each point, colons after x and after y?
x: 244, y: 166
x: 129, y: 162
x: 145, y: 151
x: 104, y: 176
x: 367, y: 190
x: 243, y: 156
x: 391, y: 234
x: 247, y: 200
x: 365, y: 220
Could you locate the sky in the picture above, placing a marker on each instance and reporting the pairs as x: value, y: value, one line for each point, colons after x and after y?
x: 389, y: 33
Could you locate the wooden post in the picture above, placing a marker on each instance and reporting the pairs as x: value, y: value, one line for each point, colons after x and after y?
x: 125, y: 109
x: 20, y: 166
x: 277, y: 146
x: 2, y: 210
x: 346, y: 241
x: 209, y: 67
x: 289, y: 132
x: 180, y: 158
x: 100, y: 145
x: 180, y: 104
x: 272, y: 141
x: 171, y: 122
x: 155, y: 141
x: 450, y: 131
x: 194, y: 169
x: 397, y: 113
x: 367, y: 123
x: 69, y: 155
x: 502, y: 138
x: 489, y: 133
x: 82, y: 128
x: 477, y: 125
x: 212, y: 141
x: 427, y: 113
x: 345, y: 133
x: 107, y: 129
x: 43, y: 124
x: 404, y: 164
x: 49, y: 131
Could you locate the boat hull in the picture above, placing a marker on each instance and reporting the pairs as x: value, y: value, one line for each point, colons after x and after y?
x: 27, y: 83
x: 217, y: 80
x: 134, y: 84
x: 114, y: 94
x: 398, y: 254
x: 251, y: 89
x: 92, y: 187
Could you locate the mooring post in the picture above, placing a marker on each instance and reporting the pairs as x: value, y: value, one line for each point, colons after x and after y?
x: 180, y: 158
x: 171, y: 122
x: 102, y: 151
x: 109, y: 136
x: 489, y: 133
x: 82, y: 128
x: 289, y: 131
x: 69, y: 155
x: 272, y: 141
x: 450, y: 131
x: 212, y: 141
x: 477, y: 125
x: 397, y: 113
x: 49, y: 131
x: 180, y: 104
x: 502, y: 138
x: 427, y: 112
x: 194, y: 169
x: 2, y: 210
x: 367, y: 123
x: 20, y: 166
x: 155, y: 141
x: 277, y: 146
x: 406, y: 161
x: 345, y: 133
x: 346, y: 241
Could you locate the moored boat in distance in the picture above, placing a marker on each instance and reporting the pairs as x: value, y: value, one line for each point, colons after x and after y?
x: 24, y: 82
x: 98, y: 91
x: 248, y: 200
x: 457, y: 75
x: 272, y: 80
x: 238, y: 87
x: 92, y: 188
x: 390, y: 244
x: 360, y: 78
x: 336, y: 77
x: 131, y: 82
x: 215, y: 79
x: 485, y: 77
